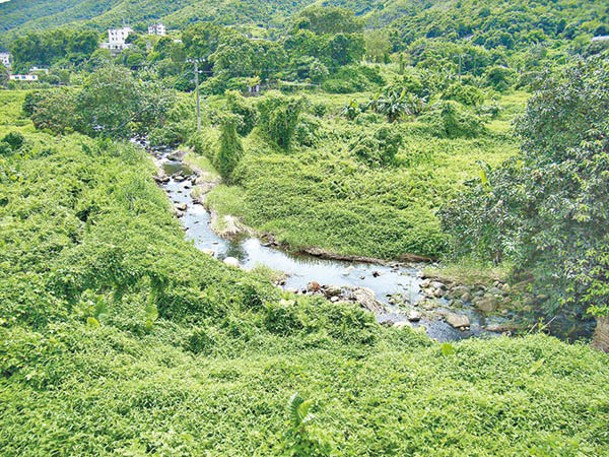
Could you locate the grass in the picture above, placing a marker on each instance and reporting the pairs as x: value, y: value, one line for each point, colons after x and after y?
x: 118, y: 337
x: 321, y: 195
x: 11, y: 112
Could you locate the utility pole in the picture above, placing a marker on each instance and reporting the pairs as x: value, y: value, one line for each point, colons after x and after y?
x: 198, y: 96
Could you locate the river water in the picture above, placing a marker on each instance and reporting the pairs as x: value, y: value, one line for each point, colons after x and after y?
x: 384, y: 280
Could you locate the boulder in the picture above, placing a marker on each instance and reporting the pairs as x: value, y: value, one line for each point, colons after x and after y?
x: 400, y: 325
x: 429, y: 305
x: 414, y: 316
x: 438, y: 285
x: 495, y: 291
x: 313, y: 287
x: 486, y: 304
x: 181, y: 206
x: 459, y: 321
x: 459, y: 291
x: 332, y: 291
x: 367, y: 299
x: 209, y: 252
x: 439, y: 293
x: 232, y: 262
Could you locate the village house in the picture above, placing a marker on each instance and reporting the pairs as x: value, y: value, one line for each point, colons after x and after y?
x: 117, y: 40
x: 27, y: 78
x: 5, y: 59
x: 157, y: 29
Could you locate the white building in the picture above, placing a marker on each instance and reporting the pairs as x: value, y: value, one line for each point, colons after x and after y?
x: 28, y: 78
x: 157, y: 29
x: 117, y: 39
x: 5, y: 59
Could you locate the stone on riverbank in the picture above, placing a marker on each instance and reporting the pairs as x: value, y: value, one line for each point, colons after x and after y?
x: 232, y: 262
x: 458, y: 321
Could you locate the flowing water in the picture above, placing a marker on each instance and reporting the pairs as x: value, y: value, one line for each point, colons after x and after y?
x: 385, y: 280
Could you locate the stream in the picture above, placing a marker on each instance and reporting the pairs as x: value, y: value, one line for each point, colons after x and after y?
x: 386, y: 281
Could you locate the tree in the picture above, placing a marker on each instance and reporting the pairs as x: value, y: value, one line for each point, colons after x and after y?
x: 4, y: 76
x: 231, y: 150
x: 378, y: 45
x: 546, y: 210
x: 279, y: 117
x: 54, y: 110
x: 328, y: 20
x: 344, y: 49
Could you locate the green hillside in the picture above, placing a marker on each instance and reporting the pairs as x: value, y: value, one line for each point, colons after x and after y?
x: 527, y: 22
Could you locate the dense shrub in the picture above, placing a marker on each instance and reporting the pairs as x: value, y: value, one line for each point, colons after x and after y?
x: 378, y: 148
x: 448, y: 119
x: 279, y: 117
x: 465, y: 94
x: 353, y: 78
x: 230, y: 150
x: 247, y: 115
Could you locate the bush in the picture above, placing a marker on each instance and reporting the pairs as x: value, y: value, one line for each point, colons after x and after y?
x: 231, y: 150
x: 281, y: 317
x: 247, y: 115
x: 279, y: 116
x: 379, y: 148
x: 467, y: 95
x: 353, y: 78
x: 448, y: 119
x: 15, y: 140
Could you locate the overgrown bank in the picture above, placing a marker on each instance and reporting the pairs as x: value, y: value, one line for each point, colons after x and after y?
x: 325, y: 192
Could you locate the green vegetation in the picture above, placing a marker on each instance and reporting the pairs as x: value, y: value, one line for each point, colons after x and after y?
x: 118, y: 332
x: 474, y: 132
x: 355, y: 187
x: 543, y: 210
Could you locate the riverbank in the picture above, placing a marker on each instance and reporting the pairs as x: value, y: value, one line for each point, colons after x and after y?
x: 394, y: 291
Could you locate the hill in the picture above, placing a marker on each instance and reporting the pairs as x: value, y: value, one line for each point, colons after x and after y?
x: 487, y: 22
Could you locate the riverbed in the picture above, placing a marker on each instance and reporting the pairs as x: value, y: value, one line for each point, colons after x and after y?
x: 387, y: 281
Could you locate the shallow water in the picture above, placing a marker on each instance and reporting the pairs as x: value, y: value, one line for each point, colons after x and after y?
x: 384, y: 280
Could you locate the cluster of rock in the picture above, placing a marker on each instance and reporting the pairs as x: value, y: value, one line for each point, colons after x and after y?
x: 363, y: 296
x: 437, y: 294
x: 485, y: 299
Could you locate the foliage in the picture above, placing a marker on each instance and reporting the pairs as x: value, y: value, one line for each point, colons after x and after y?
x: 396, y: 104
x: 43, y: 49
x: 247, y: 115
x: 448, y: 119
x: 543, y: 209
x: 4, y: 76
x: 352, y: 78
x: 378, y: 148
x: 14, y: 139
x: 54, y: 110
x: 231, y: 150
x: 327, y: 20
x: 111, y: 103
x: 278, y: 118
x: 465, y: 94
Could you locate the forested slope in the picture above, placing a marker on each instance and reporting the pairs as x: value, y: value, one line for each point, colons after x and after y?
x: 487, y: 22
